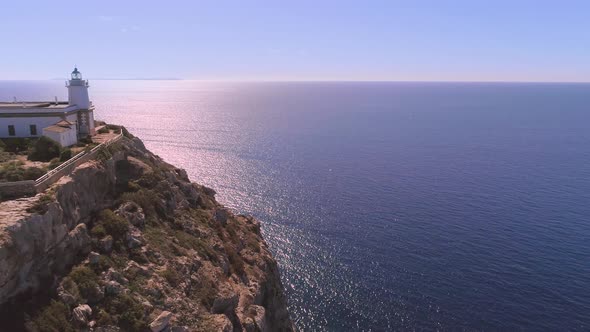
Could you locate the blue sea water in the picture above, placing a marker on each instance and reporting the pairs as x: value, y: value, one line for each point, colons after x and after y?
x: 389, y: 206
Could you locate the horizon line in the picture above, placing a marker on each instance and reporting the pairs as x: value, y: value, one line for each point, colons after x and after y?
x: 307, y: 80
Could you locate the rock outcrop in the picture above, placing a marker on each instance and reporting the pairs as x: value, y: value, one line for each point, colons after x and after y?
x: 127, y: 243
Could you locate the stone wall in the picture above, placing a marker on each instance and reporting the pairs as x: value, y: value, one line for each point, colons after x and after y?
x: 17, y: 189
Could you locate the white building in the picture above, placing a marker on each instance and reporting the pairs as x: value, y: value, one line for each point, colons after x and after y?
x: 63, y: 132
x: 36, y: 118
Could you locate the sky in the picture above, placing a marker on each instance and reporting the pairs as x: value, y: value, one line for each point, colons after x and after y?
x: 438, y: 40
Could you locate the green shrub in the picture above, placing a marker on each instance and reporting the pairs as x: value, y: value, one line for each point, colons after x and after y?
x: 103, y: 130
x: 172, y: 276
x: 132, y: 186
x: 65, y: 154
x: 12, y: 171
x: 53, y: 318
x: 147, y: 199
x: 150, y: 180
x: 33, y: 173
x: 44, y: 149
x: 54, y: 163
x: 16, y: 145
x: 98, y: 231
x: 4, y: 156
x: 86, y: 140
x: 103, y: 318
x: 128, y: 313
x: 86, y: 280
x: 113, y: 224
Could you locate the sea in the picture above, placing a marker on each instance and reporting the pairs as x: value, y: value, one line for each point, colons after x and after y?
x: 388, y: 205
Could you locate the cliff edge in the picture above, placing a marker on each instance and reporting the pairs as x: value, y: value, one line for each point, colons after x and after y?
x: 127, y: 243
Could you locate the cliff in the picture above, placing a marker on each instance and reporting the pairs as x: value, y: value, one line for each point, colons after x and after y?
x: 127, y: 243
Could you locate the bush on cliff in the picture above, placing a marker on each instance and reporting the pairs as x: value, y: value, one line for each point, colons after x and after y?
x: 65, y: 155
x: 54, y: 317
x: 86, y: 281
x: 4, y: 156
x: 172, y: 276
x: 33, y: 173
x: 147, y: 199
x: 128, y: 313
x: 114, y: 225
x: 44, y: 149
x: 12, y: 171
x: 54, y: 163
x: 16, y: 145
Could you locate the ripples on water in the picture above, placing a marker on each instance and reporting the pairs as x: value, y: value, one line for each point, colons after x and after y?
x: 389, y: 205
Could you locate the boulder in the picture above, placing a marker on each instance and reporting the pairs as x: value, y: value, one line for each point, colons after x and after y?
x: 226, y: 300
x: 112, y: 274
x: 134, y: 238
x: 221, y: 323
x: 81, y: 314
x: 259, y: 316
x: 221, y: 216
x: 93, y: 257
x: 133, y: 213
x: 113, y: 288
x: 133, y: 269
x: 106, y: 244
x: 161, y: 322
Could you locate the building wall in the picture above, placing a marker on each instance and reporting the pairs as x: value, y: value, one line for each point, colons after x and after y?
x: 65, y: 138
x: 21, y: 125
x: 91, y: 122
x: 71, y: 137
x: 78, y: 94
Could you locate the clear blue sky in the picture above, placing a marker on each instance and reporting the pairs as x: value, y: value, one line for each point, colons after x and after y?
x: 517, y: 40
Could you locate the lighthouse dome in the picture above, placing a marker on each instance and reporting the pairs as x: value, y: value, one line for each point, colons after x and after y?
x: 76, y: 75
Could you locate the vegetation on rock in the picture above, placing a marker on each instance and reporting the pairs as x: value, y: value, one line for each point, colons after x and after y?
x: 44, y: 149
x: 161, y: 245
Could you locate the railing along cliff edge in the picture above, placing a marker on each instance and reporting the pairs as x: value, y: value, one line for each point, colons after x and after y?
x: 55, y: 174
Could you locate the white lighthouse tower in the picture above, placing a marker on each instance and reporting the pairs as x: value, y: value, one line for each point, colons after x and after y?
x: 78, y: 90
x: 78, y: 96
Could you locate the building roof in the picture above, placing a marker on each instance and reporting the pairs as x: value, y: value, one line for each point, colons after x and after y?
x: 60, y: 127
x: 57, y: 129
x: 34, y: 104
x: 64, y: 123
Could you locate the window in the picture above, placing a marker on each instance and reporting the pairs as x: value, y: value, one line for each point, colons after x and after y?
x: 11, y: 131
x: 33, y: 130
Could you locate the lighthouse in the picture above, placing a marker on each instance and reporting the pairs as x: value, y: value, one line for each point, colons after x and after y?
x: 78, y: 90
x: 78, y: 97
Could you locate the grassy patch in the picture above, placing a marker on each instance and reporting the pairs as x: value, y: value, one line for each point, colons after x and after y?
x: 189, y: 241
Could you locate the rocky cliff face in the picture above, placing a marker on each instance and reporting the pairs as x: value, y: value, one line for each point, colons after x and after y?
x: 128, y: 243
